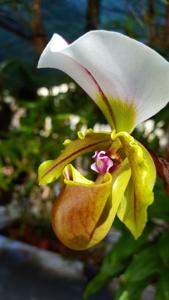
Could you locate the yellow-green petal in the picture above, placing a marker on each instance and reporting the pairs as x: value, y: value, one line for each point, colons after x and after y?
x: 138, y: 195
x: 120, y: 114
x: 52, y: 169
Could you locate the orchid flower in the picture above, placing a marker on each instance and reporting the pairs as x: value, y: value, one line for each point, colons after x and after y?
x: 130, y: 83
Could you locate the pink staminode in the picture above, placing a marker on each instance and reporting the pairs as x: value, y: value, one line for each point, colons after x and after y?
x: 102, y: 163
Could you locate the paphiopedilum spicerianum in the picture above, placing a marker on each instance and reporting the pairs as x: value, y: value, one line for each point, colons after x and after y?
x: 130, y: 83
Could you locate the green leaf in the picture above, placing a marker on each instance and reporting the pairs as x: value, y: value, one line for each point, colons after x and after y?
x: 162, y: 290
x: 160, y: 208
x: 163, y: 248
x: 143, y: 265
x: 124, y: 296
x: 131, y: 291
x: 115, y: 262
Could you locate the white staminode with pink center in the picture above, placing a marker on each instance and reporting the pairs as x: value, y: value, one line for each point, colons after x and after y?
x: 102, y: 163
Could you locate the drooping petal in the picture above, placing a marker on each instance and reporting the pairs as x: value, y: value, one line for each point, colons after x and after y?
x: 50, y: 170
x: 138, y: 195
x: 127, y: 80
x: 120, y: 181
x: 85, y: 210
